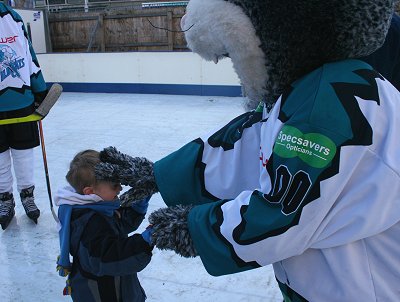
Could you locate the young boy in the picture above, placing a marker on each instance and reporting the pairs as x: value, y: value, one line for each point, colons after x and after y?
x: 94, y: 230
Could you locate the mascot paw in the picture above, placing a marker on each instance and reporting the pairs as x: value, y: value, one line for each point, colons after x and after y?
x: 113, y: 156
x: 108, y: 172
x: 136, y: 172
x: 133, y: 196
x: 171, y: 232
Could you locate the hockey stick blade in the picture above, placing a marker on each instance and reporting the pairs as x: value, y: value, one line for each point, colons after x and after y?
x: 50, y: 99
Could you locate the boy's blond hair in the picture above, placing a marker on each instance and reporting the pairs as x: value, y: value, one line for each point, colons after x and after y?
x: 81, y: 170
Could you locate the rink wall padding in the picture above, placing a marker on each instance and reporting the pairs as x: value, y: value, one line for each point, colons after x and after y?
x: 182, y: 73
x: 205, y: 90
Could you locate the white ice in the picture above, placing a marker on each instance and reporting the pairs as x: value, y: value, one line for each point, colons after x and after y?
x: 141, y: 125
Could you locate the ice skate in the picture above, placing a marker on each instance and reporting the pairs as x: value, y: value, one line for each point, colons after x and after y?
x: 28, y: 202
x: 7, y: 210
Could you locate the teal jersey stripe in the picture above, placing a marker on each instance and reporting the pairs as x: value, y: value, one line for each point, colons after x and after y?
x: 37, y: 82
x: 315, y: 100
x: 183, y: 169
x: 216, y: 253
x: 8, y: 99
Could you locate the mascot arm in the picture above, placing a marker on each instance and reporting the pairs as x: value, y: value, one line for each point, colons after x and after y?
x: 217, y: 166
x: 260, y: 228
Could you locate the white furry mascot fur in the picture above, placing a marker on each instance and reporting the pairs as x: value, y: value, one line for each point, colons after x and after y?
x: 309, y: 181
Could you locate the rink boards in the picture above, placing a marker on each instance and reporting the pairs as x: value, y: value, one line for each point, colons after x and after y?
x: 182, y: 73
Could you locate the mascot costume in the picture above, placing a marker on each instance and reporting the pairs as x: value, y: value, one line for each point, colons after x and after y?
x: 309, y: 180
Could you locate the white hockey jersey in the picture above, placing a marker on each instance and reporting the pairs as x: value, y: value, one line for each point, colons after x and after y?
x: 20, y: 76
x: 311, y: 187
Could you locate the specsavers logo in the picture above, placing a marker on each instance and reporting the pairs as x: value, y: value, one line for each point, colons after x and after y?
x: 315, y: 149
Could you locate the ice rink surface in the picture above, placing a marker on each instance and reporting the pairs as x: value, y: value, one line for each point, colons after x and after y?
x: 140, y: 125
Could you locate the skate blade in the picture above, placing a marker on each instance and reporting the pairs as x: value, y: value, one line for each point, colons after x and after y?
x: 4, y: 225
x: 34, y: 219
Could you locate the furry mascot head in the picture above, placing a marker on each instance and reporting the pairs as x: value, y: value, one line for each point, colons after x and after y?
x: 273, y: 43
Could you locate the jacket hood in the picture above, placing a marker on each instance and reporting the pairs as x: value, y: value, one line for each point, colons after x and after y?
x: 68, y: 195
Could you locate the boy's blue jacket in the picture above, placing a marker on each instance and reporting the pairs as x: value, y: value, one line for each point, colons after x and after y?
x: 105, y: 258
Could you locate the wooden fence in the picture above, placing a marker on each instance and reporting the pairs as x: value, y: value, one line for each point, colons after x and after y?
x: 117, y: 30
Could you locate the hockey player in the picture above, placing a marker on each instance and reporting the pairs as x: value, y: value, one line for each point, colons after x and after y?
x: 22, y: 89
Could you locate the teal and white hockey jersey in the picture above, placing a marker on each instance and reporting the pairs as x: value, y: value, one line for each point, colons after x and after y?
x: 21, y: 79
x: 311, y: 187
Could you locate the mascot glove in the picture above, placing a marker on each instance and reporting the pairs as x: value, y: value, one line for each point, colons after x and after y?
x: 133, y: 197
x: 136, y: 172
x: 171, y: 232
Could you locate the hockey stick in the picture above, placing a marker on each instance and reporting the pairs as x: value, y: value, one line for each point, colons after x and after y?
x: 46, y: 171
x: 43, y: 109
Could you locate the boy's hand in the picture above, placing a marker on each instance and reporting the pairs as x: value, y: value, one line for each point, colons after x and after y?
x: 136, y: 172
x: 139, y: 206
x: 170, y: 230
x: 147, y: 234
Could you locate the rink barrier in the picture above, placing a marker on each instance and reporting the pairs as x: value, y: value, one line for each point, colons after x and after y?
x: 182, y: 73
x: 204, y: 90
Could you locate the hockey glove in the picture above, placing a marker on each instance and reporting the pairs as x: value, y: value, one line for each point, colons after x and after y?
x: 136, y: 172
x: 171, y: 232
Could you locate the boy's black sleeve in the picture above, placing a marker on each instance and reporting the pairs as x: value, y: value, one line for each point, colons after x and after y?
x: 130, y: 219
x: 102, y: 251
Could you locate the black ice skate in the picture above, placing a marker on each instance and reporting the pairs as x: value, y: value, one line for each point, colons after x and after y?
x: 7, y: 210
x: 28, y: 202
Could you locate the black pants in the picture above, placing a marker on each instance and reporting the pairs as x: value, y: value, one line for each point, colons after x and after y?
x: 19, y: 136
